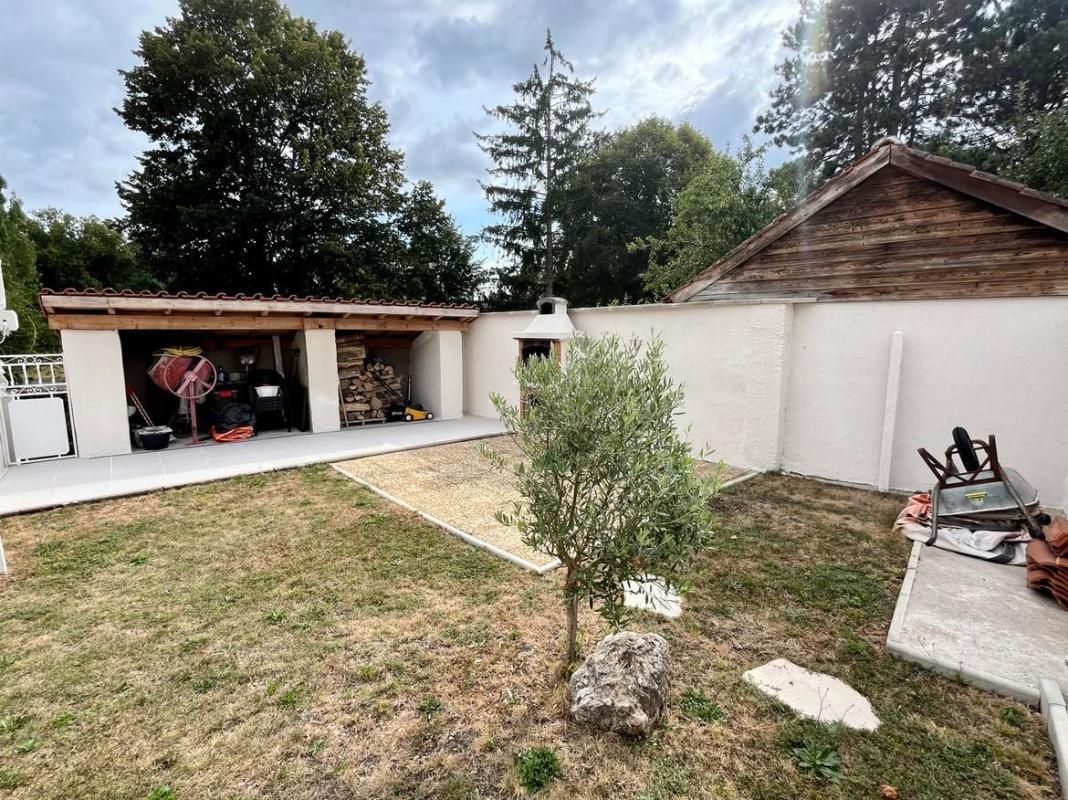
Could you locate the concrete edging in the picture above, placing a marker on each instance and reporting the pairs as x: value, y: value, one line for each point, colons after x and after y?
x: 740, y: 479
x: 1053, y: 709
x: 474, y: 541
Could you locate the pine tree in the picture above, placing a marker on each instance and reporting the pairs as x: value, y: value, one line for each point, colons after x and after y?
x: 858, y: 70
x: 548, y: 134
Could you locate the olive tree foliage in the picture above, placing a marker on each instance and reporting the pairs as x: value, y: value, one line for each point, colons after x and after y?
x: 607, y: 484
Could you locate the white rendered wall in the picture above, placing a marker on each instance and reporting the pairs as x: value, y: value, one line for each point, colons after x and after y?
x: 992, y: 365
x: 97, y: 390
x: 317, y: 369
x: 730, y: 407
x: 803, y: 387
x: 437, y: 370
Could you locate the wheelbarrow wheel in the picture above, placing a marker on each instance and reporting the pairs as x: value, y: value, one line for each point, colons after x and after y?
x: 965, y: 449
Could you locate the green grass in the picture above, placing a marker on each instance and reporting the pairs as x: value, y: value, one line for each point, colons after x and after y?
x: 318, y: 642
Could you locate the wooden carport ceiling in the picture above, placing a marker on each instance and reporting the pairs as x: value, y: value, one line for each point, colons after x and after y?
x: 111, y: 310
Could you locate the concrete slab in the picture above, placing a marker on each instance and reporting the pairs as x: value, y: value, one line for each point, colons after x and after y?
x: 29, y: 487
x: 966, y: 617
x: 814, y: 694
x: 651, y: 595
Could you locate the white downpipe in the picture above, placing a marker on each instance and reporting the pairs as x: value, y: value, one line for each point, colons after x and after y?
x: 3, y: 558
x: 893, y: 389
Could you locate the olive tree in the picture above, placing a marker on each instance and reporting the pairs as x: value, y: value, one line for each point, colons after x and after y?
x: 607, y: 484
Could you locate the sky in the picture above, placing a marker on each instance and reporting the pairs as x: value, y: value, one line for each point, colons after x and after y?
x: 434, y: 64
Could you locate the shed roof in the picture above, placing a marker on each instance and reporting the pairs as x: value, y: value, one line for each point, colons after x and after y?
x: 1039, y: 207
x: 107, y: 309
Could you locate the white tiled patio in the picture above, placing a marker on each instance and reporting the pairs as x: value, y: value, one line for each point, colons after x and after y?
x: 46, y: 484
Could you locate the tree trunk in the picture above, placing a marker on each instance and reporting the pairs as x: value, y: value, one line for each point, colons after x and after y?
x: 572, y: 629
x: 571, y: 601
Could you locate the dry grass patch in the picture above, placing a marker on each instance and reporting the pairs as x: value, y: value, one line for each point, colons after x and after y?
x: 291, y: 635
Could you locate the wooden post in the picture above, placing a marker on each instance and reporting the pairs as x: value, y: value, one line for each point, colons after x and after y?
x: 893, y: 388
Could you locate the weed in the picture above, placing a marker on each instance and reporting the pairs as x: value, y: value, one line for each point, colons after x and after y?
x: 162, y: 793
x: 819, y: 760
x: 430, y: 706
x: 62, y: 720
x: 315, y: 747
x: 291, y: 697
x: 695, y: 705
x: 27, y: 746
x: 276, y: 616
x: 368, y: 673
x: 1013, y: 715
x: 536, y: 768
x: 13, y: 722
x: 9, y: 779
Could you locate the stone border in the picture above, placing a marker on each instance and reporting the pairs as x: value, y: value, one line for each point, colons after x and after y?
x: 906, y: 652
x: 464, y: 536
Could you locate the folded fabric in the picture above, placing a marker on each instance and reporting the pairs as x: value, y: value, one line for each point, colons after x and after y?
x: 1000, y: 547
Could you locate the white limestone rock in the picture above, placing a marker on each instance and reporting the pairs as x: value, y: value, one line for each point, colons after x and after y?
x: 814, y: 694
x: 623, y: 684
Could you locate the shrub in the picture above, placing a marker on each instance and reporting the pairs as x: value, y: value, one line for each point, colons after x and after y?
x: 608, y: 485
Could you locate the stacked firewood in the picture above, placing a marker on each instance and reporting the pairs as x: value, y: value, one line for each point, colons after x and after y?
x: 368, y: 388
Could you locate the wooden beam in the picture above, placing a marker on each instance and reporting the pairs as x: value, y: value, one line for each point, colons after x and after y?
x: 249, y: 322
x: 1004, y: 194
x: 60, y: 303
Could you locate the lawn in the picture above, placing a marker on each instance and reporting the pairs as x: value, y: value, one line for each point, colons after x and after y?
x: 291, y: 635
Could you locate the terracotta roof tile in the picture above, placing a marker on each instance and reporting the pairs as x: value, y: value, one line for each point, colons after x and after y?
x: 242, y: 296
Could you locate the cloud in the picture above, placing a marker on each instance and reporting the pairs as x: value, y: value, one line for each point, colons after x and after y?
x: 434, y: 65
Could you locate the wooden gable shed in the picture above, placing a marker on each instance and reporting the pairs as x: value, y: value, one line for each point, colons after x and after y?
x: 899, y: 224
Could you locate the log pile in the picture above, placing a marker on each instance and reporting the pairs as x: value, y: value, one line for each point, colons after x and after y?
x: 368, y: 388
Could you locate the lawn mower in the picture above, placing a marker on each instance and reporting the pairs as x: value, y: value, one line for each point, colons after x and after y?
x: 403, y: 409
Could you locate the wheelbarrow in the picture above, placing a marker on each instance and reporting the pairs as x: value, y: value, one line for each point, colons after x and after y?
x: 973, y: 490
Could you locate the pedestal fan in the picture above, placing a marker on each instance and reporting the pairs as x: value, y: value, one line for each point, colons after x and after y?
x: 188, y: 376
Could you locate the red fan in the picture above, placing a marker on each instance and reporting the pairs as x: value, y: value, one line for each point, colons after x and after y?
x: 189, y: 378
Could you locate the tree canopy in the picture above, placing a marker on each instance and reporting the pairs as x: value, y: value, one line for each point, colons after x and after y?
x: 546, y: 135
x: 728, y: 201
x: 626, y: 190
x: 18, y: 258
x: 269, y: 167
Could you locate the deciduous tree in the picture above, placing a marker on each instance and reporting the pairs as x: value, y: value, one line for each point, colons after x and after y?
x: 625, y: 190
x: 729, y: 201
x: 269, y: 168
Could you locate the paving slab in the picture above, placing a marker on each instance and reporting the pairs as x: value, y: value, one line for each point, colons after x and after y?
x: 969, y: 618
x: 814, y: 694
x: 651, y: 595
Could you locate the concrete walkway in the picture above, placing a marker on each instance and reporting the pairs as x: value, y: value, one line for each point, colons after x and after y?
x: 966, y: 617
x: 55, y: 483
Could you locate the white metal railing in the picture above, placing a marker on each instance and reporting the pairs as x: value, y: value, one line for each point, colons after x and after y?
x: 35, y: 375
x: 32, y: 373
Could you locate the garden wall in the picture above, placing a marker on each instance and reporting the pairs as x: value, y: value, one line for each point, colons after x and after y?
x: 804, y: 387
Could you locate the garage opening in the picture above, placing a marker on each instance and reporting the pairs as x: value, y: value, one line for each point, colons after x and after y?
x: 243, y: 384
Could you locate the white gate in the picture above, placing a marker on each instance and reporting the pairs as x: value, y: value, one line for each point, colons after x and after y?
x: 35, y: 408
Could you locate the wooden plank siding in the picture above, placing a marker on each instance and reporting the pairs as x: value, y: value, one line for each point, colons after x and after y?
x: 896, y: 235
